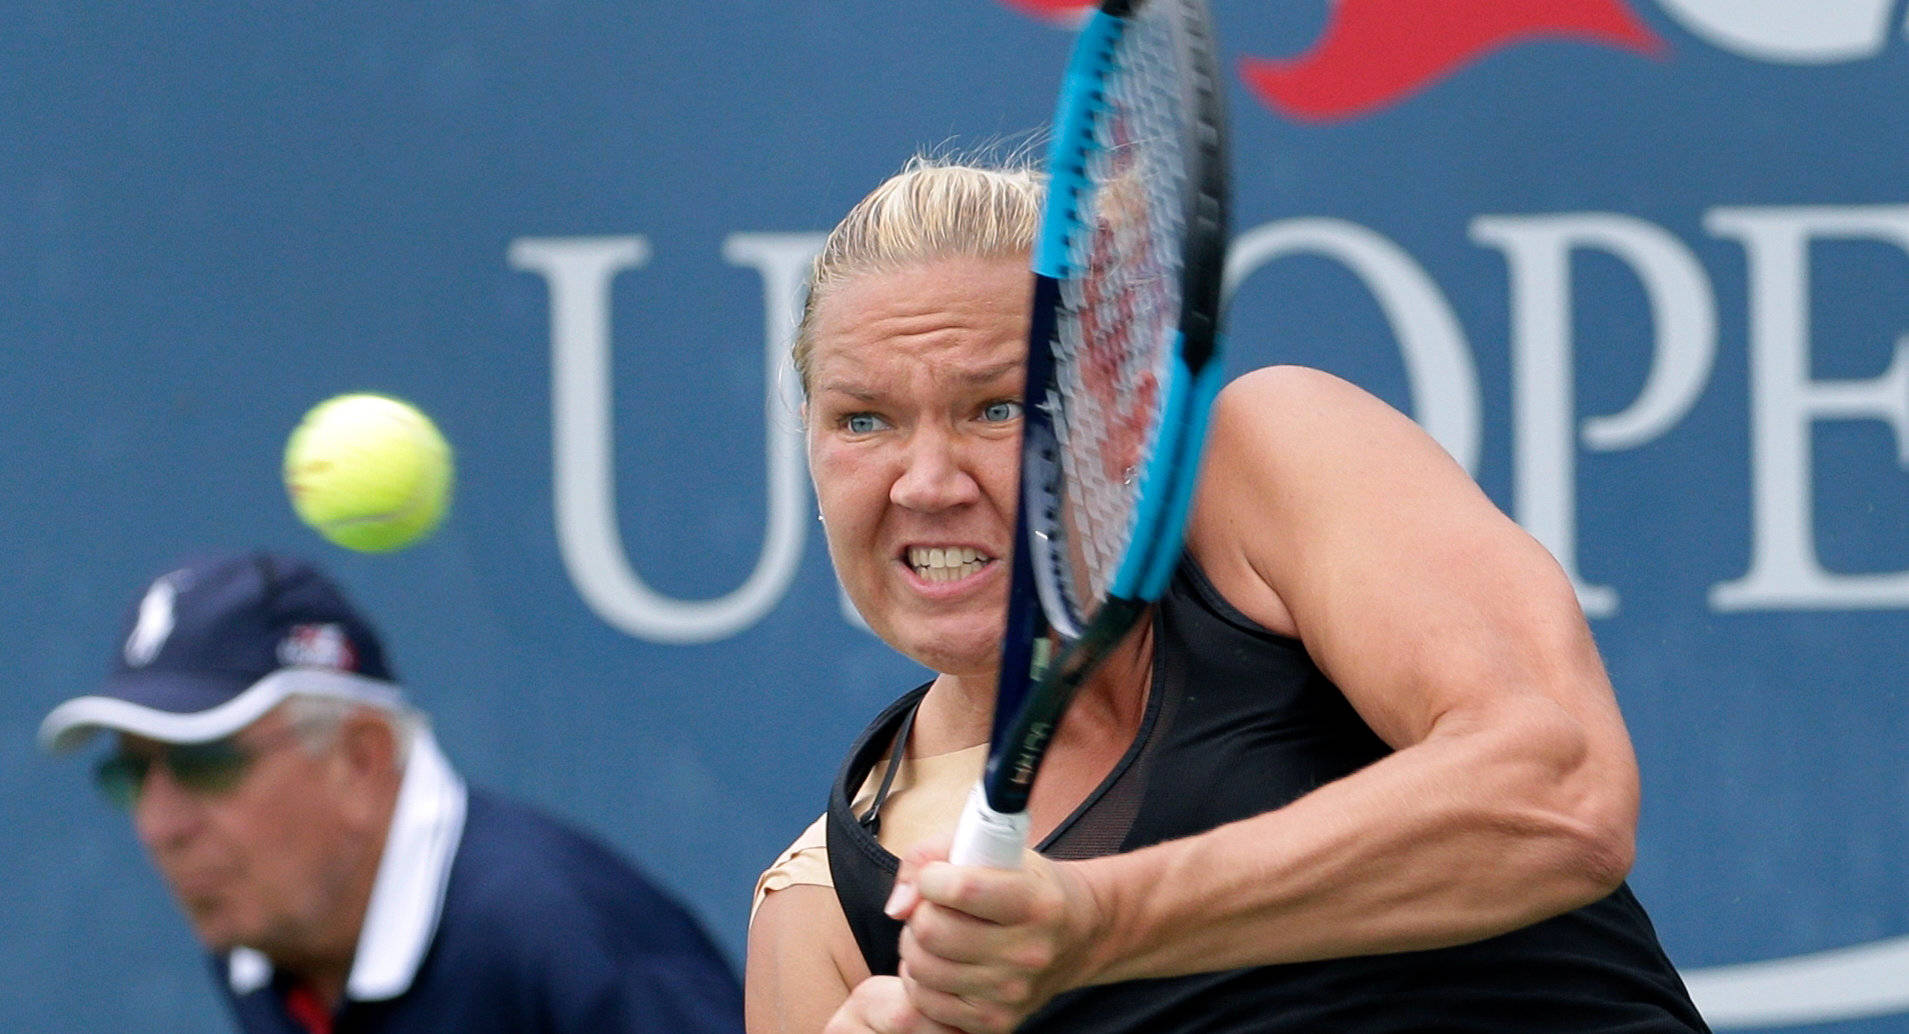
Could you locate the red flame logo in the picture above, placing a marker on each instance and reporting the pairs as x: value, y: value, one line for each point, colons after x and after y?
x: 1064, y: 12
x: 1376, y: 53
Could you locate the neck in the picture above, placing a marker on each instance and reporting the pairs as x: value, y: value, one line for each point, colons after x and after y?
x: 1116, y: 693
x: 958, y: 712
x: 959, y: 709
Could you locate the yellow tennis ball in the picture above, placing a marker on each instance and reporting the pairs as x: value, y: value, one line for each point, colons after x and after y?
x: 369, y: 472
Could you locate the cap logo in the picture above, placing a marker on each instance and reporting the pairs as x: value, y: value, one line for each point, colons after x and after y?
x: 154, y: 625
x: 317, y: 646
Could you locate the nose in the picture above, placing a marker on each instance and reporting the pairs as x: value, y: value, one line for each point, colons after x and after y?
x: 936, y: 473
x: 163, y: 813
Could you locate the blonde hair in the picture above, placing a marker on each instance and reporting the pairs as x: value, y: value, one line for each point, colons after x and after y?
x: 933, y: 209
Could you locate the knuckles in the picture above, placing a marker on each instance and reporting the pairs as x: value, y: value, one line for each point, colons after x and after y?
x: 1017, y: 946
x: 955, y: 886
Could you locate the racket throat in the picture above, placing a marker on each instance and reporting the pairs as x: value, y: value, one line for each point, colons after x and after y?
x: 1056, y: 675
x: 1031, y: 736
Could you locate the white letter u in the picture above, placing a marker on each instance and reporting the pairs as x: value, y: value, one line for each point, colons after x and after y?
x: 579, y: 271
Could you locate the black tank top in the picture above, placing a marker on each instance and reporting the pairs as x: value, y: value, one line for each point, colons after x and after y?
x: 1240, y: 722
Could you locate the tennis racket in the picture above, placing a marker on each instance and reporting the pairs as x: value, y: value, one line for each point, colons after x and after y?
x: 1122, y: 369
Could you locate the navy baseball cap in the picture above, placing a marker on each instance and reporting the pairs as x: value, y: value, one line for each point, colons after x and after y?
x: 212, y: 645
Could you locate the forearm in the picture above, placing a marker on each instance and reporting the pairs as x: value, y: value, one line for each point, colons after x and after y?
x: 1481, y: 828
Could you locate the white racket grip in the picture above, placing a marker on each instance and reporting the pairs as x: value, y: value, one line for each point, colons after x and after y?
x: 988, y: 837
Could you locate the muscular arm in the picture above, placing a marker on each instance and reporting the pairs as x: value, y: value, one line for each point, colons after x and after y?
x: 1513, y: 792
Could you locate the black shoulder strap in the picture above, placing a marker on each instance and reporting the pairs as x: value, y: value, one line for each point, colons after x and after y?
x: 862, y: 870
x: 871, y: 819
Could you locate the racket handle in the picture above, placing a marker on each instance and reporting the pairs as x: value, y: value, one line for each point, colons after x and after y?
x: 988, y: 837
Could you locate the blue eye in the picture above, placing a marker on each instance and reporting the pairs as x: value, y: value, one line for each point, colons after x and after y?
x: 862, y: 423
x: 998, y: 412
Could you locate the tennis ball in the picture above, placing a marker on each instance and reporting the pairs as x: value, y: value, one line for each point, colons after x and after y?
x: 368, y: 472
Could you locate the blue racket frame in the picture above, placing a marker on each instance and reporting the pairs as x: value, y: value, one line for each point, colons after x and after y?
x: 1049, y: 648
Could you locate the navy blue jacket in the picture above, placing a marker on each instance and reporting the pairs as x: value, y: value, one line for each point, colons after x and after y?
x: 543, y: 930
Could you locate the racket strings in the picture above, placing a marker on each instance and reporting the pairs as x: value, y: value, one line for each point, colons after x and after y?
x: 1120, y: 307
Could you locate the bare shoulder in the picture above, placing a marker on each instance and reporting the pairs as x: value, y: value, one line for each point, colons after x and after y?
x: 1304, y: 400
x: 1291, y: 451
x: 1286, y: 379
x: 1326, y: 513
x: 802, y: 961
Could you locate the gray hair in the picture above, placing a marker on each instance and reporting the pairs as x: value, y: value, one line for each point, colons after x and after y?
x: 934, y: 208
x: 317, y: 720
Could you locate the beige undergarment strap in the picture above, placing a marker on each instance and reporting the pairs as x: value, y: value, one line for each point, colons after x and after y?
x: 924, y: 799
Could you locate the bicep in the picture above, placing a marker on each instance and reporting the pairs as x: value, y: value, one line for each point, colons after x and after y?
x: 802, y: 961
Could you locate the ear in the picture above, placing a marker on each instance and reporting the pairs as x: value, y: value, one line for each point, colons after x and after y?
x: 366, y: 751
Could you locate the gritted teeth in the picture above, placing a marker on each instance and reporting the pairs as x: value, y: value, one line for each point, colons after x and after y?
x: 946, y: 563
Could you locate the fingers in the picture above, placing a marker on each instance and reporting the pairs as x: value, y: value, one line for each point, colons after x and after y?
x: 881, y: 1005
x: 1009, y: 897
x: 902, y: 900
x: 984, y: 948
x: 1006, y: 896
x: 1004, y: 970
x: 985, y: 985
x: 970, y: 1015
x: 979, y: 947
x: 955, y: 936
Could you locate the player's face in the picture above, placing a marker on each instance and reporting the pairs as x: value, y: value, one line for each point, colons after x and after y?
x: 914, y: 429
x: 263, y: 862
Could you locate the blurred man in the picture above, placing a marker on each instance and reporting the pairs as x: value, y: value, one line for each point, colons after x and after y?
x: 340, y: 872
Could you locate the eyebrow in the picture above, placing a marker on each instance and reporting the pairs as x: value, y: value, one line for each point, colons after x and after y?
x: 982, y: 377
x: 990, y: 374
x: 840, y: 388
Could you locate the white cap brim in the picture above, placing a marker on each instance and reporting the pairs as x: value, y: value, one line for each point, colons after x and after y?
x: 71, y: 724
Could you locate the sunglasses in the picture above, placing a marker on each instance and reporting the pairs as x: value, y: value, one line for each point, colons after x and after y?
x: 201, y: 769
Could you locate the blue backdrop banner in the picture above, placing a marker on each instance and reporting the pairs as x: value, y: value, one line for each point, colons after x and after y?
x: 1642, y: 266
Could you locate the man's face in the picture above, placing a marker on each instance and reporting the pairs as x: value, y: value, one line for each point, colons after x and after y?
x: 261, y: 856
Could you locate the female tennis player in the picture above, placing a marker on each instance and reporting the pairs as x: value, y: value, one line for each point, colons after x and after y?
x: 1361, y: 769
